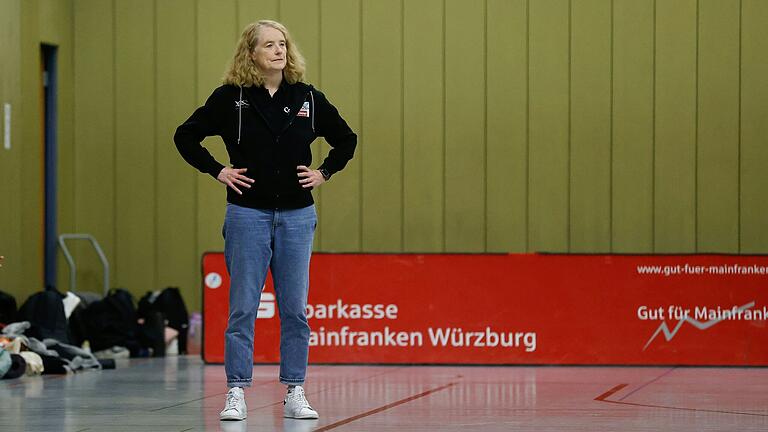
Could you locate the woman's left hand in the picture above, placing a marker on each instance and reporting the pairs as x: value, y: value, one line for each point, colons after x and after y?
x: 309, y: 177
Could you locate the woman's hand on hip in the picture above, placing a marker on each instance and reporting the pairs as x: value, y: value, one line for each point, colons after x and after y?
x: 234, y: 176
x: 309, y: 178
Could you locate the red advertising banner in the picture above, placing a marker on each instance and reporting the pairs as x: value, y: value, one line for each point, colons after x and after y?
x: 516, y: 309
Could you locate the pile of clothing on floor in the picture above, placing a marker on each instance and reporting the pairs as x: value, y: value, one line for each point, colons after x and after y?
x: 56, y: 333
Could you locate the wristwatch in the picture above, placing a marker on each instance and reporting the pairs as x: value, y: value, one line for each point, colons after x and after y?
x: 325, y: 173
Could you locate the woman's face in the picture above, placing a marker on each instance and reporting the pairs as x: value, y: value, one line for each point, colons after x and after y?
x: 270, y: 51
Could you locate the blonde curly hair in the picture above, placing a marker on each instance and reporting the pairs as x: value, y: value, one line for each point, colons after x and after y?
x: 243, y: 72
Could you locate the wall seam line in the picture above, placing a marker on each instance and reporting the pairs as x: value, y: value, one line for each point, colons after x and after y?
x: 739, y: 151
x: 610, y: 132
x: 361, y: 206
x: 696, y: 140
x: 115, y: 268
x: 155, y: 270
x: 653, y: 141
x: 485, y: 126
x: 528, y: 126
x: 444, y: 138
x: 569, y: 175
x: 402, y: 125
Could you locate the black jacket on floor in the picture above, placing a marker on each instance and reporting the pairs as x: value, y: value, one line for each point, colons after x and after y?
x: 268, y: 136
x: 45, y: 311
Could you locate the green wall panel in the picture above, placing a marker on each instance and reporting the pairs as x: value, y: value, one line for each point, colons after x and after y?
x: 55, y: 24
x: 217, y: 36
x: 249, y: 11
x: 56, y: 27
x: 675, y: 132
x: 94, y: 170
x: 423, y: 126
x: 135, y: 156
x: 485, y: 126
x: 548, y: 126
x: 303, y: 21
x: 340, y: 65
x: 464, y: 126
x: 175, y: 73
x: 11, y: 275
x: 506, y: 173
x: 632, y: 126
x: 718, y: 127
x: 590, y: 164
x: 32, y: 147
x: 754, y: 128
x: 23, y: 27
x: 382, y: 126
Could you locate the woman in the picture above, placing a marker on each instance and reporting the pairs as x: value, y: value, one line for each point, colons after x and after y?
x: 267, y: 118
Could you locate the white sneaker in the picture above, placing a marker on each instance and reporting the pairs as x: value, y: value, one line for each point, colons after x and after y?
x: 235, y: 408
x: 296, y: 406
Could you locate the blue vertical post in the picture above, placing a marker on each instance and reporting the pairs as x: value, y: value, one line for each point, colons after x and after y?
x: 51, y: 159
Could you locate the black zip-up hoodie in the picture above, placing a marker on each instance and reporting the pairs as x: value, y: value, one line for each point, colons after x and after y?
x: 270, y: 150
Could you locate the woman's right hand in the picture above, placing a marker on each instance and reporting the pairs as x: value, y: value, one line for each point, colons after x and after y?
x: 234, y: 176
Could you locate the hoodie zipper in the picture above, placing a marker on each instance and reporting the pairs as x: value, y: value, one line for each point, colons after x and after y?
x: 290, y: 122
x: 296, y: 114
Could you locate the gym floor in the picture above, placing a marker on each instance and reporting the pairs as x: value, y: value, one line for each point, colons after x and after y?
x: 183, y: 394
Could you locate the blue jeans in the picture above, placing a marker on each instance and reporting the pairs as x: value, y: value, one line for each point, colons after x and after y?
x: 254, y: 241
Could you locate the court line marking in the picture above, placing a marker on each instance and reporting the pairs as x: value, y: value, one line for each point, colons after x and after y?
x: 610, y: 392
x: 260, y: 383
x: 322, y: 390
x: 603, y: 398
x: 186, y: 402
x: 646, y: 384
x: 384, y: 408
x: 255, y: 384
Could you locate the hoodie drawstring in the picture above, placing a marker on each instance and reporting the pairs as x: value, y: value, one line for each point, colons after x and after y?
x: 239, y: 115
x: 312, y: 111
